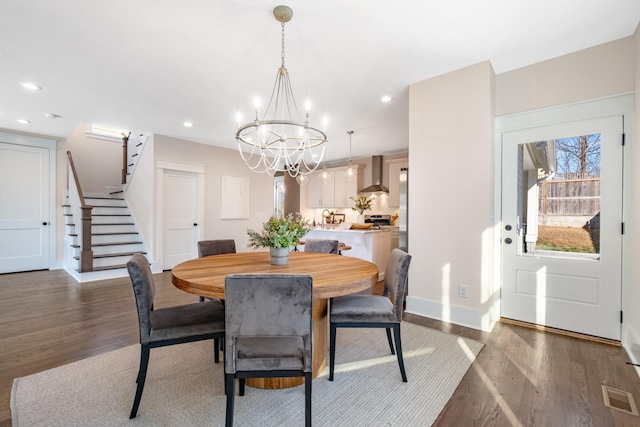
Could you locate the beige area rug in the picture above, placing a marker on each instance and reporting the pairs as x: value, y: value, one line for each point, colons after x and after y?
x: 185, y: 388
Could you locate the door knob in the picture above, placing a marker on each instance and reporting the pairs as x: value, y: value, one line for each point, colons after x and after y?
x: 45, y: 223
x: 507, y: 227
x: 195, y: 224
x: 508, y: 240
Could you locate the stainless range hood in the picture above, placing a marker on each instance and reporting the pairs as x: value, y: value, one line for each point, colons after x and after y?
x: 376, y: 177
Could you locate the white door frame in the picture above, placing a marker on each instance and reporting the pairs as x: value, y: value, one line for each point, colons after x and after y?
x: 161, y: 165
x: 613, y: 105
x: 49, y: 144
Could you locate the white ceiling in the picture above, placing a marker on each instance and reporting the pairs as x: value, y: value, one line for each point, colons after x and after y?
x: 150, y: 65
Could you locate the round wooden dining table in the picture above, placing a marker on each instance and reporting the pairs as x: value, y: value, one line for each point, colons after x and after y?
x: 333, y: 276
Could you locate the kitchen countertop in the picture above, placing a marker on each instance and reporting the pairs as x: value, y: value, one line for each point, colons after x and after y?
x: 365, y: 231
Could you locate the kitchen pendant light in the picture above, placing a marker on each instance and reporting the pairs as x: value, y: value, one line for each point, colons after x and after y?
x: 281, y: 140
x: 350, y: 171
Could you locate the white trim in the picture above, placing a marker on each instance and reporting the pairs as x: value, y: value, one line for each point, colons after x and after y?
x: 51, y: 145
x: 609, y: 106
x: 631, y: 343
x: 622, y: 105
x: 183, y: 167
x: 161, y: 166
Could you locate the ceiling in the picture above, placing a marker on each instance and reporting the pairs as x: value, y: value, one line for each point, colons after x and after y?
x: 150, y: 65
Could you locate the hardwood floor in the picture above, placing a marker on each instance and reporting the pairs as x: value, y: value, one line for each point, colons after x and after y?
x: 522, y: 377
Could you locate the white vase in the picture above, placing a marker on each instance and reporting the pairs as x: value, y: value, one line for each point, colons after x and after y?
x: 279, y: 256
x: 360, y: 219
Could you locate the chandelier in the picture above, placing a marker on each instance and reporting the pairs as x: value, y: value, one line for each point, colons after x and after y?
x: 281, y: 140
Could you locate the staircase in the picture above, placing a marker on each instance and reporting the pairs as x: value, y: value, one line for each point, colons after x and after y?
x: 101, y: 235
x: 114, y: 238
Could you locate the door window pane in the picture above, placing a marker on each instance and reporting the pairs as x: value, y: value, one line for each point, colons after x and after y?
x: 560, y: 195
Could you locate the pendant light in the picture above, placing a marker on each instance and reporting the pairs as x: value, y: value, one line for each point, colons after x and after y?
x: 350, y: 171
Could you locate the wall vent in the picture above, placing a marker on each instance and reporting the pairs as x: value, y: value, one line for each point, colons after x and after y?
x: 620, y: 400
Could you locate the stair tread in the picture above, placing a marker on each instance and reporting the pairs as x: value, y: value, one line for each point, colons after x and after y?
x: 109, y: 244
x: 114, y: 255
x: 105, y: 198
x: 112, y: 223
x: 116, y: 243
x: 106, y: 234
x: 92, y: 215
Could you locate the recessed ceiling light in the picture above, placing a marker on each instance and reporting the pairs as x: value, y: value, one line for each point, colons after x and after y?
x: 385, y: 98
x: 30, y: 86
x: 188, y: 124
x: 23, y: 121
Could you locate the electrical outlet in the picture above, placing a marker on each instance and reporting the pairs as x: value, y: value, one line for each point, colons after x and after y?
x: 463, y: 291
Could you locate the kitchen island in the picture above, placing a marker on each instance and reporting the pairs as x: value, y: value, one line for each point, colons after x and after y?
x: 372, y: 245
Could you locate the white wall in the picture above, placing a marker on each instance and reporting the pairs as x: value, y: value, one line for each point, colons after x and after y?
x: 140, y: 197
x: 592, y: 73
x: 451, y: 128
x: 631, y: 300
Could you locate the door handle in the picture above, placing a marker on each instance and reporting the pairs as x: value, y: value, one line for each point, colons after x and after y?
x: 195, y: 224
x: 45, y: 223
x: 508, y: 240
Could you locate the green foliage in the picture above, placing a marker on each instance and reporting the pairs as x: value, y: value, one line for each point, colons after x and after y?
x: 282, y: 232
x: 363, y: 203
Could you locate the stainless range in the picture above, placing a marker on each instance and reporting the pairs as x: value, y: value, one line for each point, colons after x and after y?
x: 378, y: 221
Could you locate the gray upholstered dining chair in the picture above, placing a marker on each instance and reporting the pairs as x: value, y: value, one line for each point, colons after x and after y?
x: 171, y: 325
x: 268, y: 331
x: 215, y: 247
x: 321, y: 245
x: 373, y: 311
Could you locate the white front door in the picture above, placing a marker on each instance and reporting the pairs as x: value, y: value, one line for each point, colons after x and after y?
x: 181, y: 217
x: 24, y: 208
x: 548, y: 278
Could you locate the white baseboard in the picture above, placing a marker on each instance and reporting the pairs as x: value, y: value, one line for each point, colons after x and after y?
x: 96, y: 275
x: 463, y: 316
x: 631, y: 344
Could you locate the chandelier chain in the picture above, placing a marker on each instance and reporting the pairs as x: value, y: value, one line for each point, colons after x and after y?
x: 282, y: 53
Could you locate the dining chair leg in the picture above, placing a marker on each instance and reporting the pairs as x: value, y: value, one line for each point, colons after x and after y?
x: 307, y: 398
x: 142, y: 376
x: 332, y: 349
x: 389, y: 339
x: 396, y: 336
x: 216, y: 350
x: 230, y: 382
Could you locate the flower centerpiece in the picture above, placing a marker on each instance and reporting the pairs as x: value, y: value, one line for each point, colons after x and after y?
x: 279, y: 234
x: 363, y: 203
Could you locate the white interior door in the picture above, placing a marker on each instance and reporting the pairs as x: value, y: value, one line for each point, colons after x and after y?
x: 181, y: 217
x: 564, y: 288
x: 24, y: 208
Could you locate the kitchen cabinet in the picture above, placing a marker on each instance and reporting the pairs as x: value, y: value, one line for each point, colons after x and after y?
x: 334, y: 193
x: 370, y: 245
x: 320, y: 194
x: 394, y: 234
x: 394, y: 181
x: 344, y: 189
